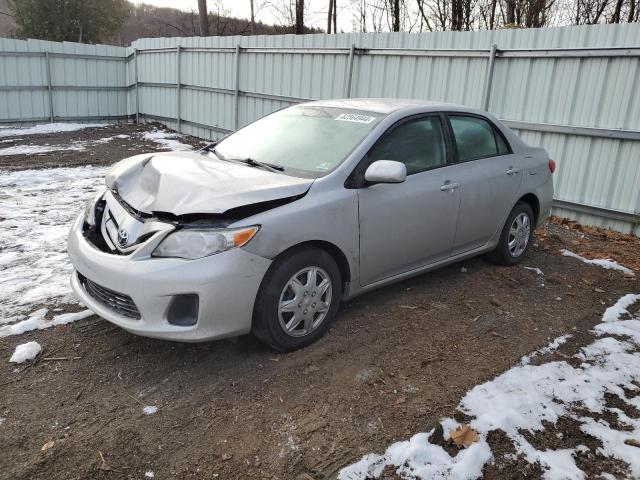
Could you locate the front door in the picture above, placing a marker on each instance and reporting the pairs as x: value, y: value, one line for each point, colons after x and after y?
x: 411, y: 224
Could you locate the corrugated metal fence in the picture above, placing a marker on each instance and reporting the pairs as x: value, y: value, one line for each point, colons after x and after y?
x: 573, y: 90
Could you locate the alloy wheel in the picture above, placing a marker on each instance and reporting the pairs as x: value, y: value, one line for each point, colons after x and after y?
x: 519, y: 235
x: 305, y: 301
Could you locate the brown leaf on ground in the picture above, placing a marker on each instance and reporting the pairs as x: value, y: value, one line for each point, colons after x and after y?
x: 463, y: 436
x: 47, y: 445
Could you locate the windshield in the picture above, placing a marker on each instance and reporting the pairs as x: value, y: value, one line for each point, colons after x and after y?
x: 305, y: 140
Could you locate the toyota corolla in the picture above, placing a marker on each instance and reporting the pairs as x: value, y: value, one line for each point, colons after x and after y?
x: 270, y: 229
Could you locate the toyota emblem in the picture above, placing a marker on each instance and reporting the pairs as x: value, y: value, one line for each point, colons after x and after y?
x: 123, y: 237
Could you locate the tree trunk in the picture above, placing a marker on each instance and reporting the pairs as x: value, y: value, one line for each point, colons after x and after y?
x: 511, y: 11
x: 204, y: 18
x: 396, y: 15
x: 253, y: 17
x: 492, y: 17
x: 335, y: 16
x: 616, y: 13
x: 299, y: 30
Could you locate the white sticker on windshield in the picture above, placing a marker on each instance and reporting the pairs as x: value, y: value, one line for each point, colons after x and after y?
x: 354, y: 117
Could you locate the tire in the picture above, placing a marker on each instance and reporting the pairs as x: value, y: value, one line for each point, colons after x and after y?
x: 503, y: 254
x: 301, y: 299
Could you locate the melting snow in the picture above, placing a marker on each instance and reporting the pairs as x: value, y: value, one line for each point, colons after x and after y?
x: 48, y: 128
x: 26, y: 351
x: 37, y: 208
x: 534, y: 269
x: 149, y: 474
x: 167, y: 140
x: 604, y: 263
x: 40, y: 149
x: 36, y: 321
x: 150, y: 410
x: 525, y: 396
x: 552, y: 347
x: 108, y: 139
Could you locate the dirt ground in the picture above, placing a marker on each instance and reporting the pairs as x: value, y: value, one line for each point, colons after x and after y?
x: 395, y: 361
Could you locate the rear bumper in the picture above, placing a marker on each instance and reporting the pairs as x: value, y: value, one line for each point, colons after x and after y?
x: 226, y: 285
x: 545, y: 196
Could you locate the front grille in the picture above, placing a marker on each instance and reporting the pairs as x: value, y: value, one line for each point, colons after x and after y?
x: 118, y: 302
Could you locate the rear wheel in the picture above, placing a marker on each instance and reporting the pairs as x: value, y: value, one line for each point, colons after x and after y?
x: 515, y: 237
x: 297, y: 300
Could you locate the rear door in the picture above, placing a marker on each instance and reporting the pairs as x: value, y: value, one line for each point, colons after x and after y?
x: 407, y: 225
x: 490, y: 176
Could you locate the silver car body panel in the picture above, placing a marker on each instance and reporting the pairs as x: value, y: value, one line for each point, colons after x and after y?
x: 381, y: 234
x: 153, y: 283
x: 189, y: 182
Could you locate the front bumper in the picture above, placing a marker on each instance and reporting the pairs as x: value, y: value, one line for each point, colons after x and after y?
x: 226, y: 285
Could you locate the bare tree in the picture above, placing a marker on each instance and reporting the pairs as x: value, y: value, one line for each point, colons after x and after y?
x: 395, y: 15
x: 204, y: 18
x: 253, y: 16
x: 299, y: 27
x: 332, y: 17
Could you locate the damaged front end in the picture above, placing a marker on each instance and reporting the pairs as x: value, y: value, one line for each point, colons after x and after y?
x: 111, y: 225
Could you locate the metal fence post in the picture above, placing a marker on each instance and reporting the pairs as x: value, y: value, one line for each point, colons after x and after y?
x: 236, y: 92
x: 49, y: 88
x: 178, y: 89
x: 135, y: 64
x: 488, y: 80
x: 350, y: 70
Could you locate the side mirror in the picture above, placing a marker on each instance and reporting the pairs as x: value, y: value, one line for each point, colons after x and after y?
x: 386, y: 171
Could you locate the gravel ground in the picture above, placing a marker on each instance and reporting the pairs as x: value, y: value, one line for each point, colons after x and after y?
x: 395, y: 361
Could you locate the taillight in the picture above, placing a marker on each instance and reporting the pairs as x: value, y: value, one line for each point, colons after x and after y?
x: 552, y: 165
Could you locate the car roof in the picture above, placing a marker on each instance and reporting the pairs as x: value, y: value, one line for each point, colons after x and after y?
x: 388, y: 105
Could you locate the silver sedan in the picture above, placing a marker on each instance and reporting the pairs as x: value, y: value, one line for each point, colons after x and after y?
x: 269, y: 229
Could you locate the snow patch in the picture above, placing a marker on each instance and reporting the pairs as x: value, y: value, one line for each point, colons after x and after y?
x: 604, y: 263
x: 48, y: 128
x: 36, y: 321
x: 25, y: 351
x: 149, y: 474
x: 37, y: 207
x: 534, y: 269
x: 40, y: 149
x: 167, y: 140
x: 551, y: 347
x: 109, y: 139
x: 524, y: 397
x: 150, y: 409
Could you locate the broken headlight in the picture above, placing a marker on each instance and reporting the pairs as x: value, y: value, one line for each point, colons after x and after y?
x: 90, y: 207
x: 193, y: 243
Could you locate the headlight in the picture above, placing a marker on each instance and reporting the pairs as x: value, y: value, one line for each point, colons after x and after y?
x: 90, y: 207
x: 193, y: 243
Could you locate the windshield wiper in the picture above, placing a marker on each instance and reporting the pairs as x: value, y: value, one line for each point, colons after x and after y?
x: 208, y: 147
x: 255, y: 163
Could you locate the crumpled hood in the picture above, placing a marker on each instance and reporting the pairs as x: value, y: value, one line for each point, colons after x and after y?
x: 186, y: 182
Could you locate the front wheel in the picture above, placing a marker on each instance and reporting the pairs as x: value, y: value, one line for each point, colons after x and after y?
x: 297, y: 300
x: 516, y: 236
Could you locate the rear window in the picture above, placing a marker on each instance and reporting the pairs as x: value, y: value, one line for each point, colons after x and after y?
x: 476, y: 138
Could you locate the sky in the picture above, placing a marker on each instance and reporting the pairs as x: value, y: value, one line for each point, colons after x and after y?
x: 315, y: 15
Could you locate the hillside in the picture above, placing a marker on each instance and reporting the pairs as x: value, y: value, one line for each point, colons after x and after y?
x: 149, y: 21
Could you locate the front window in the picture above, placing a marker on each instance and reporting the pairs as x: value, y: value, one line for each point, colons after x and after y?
x: 305, y: 140
x: 419, y: 144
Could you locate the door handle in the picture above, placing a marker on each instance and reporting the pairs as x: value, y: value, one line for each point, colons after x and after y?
x: 449, y: 186
x: 513, y: 171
